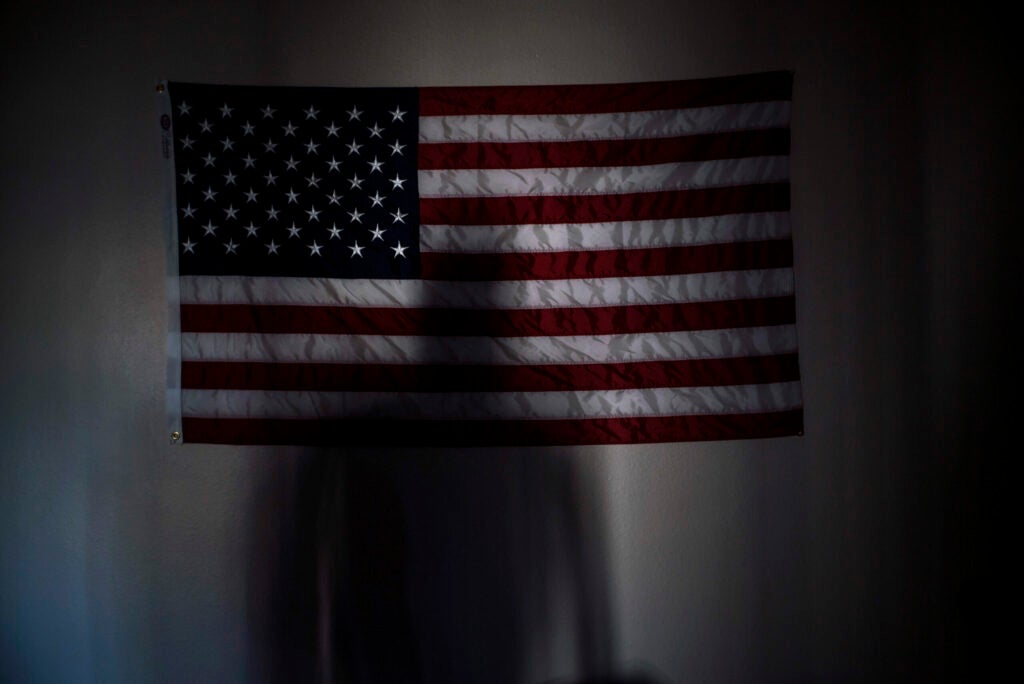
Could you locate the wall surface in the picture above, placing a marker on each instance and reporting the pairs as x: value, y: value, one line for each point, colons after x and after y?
x: 856, y: 552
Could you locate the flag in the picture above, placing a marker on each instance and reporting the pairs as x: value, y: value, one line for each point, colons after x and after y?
x: 510, y: 265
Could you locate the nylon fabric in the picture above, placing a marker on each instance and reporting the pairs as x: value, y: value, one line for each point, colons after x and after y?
x: 559, y: 127
x: 601, y: 236
x: 526, y: 294
x: 490, y: 405
x: 570, y: 349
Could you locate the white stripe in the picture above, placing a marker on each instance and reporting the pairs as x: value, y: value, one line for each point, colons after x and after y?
x: 617, y: 125
x: 563, y: 237
x: 603, y: 180
x: 505, y: 294
x: 669, y: 401
x: 503, y: 351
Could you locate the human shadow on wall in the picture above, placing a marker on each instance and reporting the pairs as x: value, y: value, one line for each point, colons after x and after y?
x: 430, y: 566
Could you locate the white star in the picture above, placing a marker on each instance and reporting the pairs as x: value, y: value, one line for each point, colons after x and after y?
x: 375, y: 131
x: 225, y: 111
x: 229, y: 178
x: 357, y: 249
x: 272, y: 247
x: 397, y: 183
x: 357, y: 216
x: 353, y: 147
x: 311, y: 113
x: 399, y: 216
x: 397, y: 148
x: 289, y: 129
x: 399, y: 250
x: 270, y: 146
x: 272, y: 213
x: 270, y: 178
x: 251, y: 229
x: 353, y: 114
x: 209, y: 159
x: 311, y: 147
x: 314, y: 213
x: 314, y: 249
x: 210, y: 228
x: 291, y: 164
x: 378, y: 234
x: 294, y: 231
x: 188, y: 211
x: 228, y: 144
x: 248, y: 129
x: 230, y: 212
x: 251, y: 195
x: 187, y: 176
x: 249, y: 161
x: 186, y: 143
x: 355, y: 182
x: 334, y: 165
x: 183, y: 108
x: 335, y: 231
x: 268, y: 112
x: 313, y: 181
x: 375, y: 165
x: 333, y: 197
x: 292, y: 196
x: 189, y: 246
x: 205, y: 126
x: 231, y: 247
x: 209, y: 194
x: 377, y: 199
x: 332, y: 130
x: 397, y: 114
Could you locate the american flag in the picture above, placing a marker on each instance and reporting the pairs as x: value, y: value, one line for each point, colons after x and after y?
x: 511, y: 265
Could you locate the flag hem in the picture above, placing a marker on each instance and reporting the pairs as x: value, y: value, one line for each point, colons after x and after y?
x: 173, y: 394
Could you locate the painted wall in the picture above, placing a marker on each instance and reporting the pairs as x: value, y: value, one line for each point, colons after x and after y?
x: 856, y: 552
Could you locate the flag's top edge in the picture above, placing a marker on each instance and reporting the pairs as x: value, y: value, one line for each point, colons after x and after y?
x: 555, y: 98
x: 776, y: 73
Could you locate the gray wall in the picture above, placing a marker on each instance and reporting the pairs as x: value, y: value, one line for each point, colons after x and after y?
x: 858, y: 551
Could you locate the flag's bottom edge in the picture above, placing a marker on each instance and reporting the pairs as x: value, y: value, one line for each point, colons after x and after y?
x: 383, y: 432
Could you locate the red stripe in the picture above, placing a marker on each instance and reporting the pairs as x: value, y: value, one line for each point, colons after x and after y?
x: 322, y: 377
x: 610, y: 263
x: 326, y: 320
x: 524, y: 209
x: 492, y: 433
x: 530, y: 155
x: 590, y: 99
